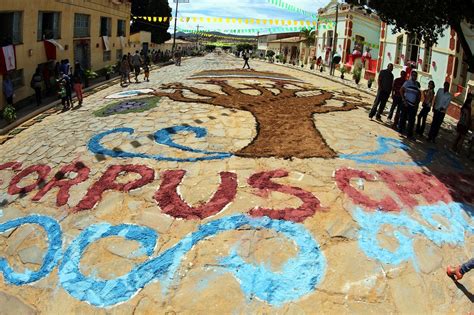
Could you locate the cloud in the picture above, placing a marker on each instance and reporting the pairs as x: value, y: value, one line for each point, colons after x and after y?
x: 256, y: 9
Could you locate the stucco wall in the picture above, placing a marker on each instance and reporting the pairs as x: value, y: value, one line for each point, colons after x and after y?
x: 67, y: 8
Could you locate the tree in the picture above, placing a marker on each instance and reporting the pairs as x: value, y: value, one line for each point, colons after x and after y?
x: 285, y: 125
x: 426, y: 18
x: 309, y: 38
x: 159, y: 31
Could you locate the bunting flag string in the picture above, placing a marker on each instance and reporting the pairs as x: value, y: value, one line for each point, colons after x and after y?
x: 243, y: 21
x: 290, y: 25
x: 291, y: 8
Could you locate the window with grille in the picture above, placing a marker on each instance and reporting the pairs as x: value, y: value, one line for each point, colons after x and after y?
x: 18, y: 79
x: 107, y: 56
x: 81, y: 25
x: 119, y: 54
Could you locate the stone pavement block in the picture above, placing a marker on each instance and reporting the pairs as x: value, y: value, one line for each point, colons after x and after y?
x: 9, y: 304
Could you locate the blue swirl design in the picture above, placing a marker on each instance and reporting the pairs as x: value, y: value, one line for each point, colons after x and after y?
x: 298, y: 277
x: 164, y: 137
x: 53, y: 253
x: 371, y: 225
x: 385, y: 146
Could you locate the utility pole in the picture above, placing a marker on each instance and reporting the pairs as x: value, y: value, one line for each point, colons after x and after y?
x: 334, y: 44
x: 175, y: 21
x: 197, y: 38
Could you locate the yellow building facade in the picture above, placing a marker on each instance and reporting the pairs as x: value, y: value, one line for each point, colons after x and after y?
x: 92, y: 32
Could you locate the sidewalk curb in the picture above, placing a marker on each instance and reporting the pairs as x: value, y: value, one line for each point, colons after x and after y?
x: 45, y: 108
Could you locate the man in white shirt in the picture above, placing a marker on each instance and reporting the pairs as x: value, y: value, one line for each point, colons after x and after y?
x: 442, y: 101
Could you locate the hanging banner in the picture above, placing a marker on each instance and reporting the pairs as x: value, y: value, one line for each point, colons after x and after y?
x: 230, y: 20
x: 9, y: 57
x: 291, y: 8
x: 106, y: 43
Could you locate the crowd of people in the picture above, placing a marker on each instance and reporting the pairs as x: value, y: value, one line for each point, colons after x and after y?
x: 407, y: 95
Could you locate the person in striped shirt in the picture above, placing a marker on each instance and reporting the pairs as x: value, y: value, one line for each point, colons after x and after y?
x: 411, y: 96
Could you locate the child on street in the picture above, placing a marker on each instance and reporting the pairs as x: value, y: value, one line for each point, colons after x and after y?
x: 146, y: 68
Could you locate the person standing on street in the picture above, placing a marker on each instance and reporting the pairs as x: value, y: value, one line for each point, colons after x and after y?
x: 464, y: 124
x: 246, y: 57
x: 397, y: 102
x: 124, y: 71
x: 442, y: 101
x: 411, y: 96
x: 8, y: 89
x: 428, y: 99
x: 459, y: 271
x: 385, y: 86
x: 36, y: 83
x: 136, y: 63
x: 78, y: 78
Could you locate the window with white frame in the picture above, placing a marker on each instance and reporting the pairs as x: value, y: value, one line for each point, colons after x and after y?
x: 427, y: 57
x: 413, y: 50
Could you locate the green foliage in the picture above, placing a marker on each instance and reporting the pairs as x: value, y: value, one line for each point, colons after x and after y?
x: 110, y: 69
x: 9, y: 113
x: 243, y: 47
x: 357, y: 73
x: 90, y: 74
x: 270, y: 53
x: 210, y: 47
x: 159, y: 31
x: 151, y: 102
x: 309, y: 36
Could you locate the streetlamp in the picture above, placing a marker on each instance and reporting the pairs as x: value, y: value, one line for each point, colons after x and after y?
x: 334, y: 44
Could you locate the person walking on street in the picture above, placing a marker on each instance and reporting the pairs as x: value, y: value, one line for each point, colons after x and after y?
x: 428, y: 99
x: 464, y: 124
x: 124, y: 71
x: 36, y: 83
x: 78, y: 78
x: 385, y: 86
x: 411, y: 96
x: 397, y: 102
x: 136, y: 63
x: 246, y: 57
x: 459, y: 271
x: 442, y: 101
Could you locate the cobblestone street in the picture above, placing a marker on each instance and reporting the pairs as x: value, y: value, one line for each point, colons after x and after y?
x: 215, y: 191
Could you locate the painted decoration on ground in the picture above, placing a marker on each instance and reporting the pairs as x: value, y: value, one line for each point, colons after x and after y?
x: 129, y: 93
x: 126, y: 107
x: 298, y: 277
x: 283, y: 112
x: 390, y: 145
x: 164, y: 137
x: 442, y: 224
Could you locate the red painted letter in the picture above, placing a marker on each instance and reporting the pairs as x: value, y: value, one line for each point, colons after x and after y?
x: 263, y: 182
x: 13, y: 165
x: 172, y: 204
x: 107, y: 182
x: 41, y: 170
x: 409, y: 184
x: 343, y: 180
x: 64, y: 184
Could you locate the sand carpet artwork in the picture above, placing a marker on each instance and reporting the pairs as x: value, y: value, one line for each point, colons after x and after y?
x: 283, y: 107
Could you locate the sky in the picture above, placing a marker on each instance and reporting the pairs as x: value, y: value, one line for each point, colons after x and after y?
x: 256, y: 9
